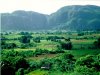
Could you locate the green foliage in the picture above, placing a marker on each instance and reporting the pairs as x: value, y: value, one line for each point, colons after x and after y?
x: 11, y: 62
x: 24, y: 33
x: 10, y: 53
x: 67, y: 46
x: 24, y: 24
x: 17, y: 62
x: 59, y: 61
x: 83, y: 70
x: 88, y: 65
x: 88, y: 61
x: 28, y: 53
x: 5, y: 45
x: 20, y: 71
x: 85, y: 19
x: 80, y: 34
x: 37, y: 39
x: 33, y: 65
x: 97, y: 43
x: 45, y: 63
x: 54, y: 38
x: 7, y: 69
x: 13, y: 53
x: 64, y: 63
x: 38, y: 72
x: 27, y: 45
x: 38, y: 52
x: 25, y: 39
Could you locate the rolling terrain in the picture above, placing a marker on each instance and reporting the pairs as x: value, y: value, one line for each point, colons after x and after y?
x: 66, y: 42
x: 69, y: 18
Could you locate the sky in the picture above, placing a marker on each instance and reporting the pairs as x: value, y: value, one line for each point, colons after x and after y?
x: 41, y: 6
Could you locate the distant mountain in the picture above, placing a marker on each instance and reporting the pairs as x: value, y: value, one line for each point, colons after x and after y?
x: 22, y: 20
x: 75, y: 17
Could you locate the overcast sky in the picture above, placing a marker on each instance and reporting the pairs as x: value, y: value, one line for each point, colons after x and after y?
x: 41, y: 6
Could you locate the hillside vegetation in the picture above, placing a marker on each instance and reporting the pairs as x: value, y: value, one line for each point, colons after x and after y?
x: 57, y: 53
x: 70, y: 18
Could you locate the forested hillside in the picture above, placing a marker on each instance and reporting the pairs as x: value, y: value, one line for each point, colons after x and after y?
x: 74, y: 18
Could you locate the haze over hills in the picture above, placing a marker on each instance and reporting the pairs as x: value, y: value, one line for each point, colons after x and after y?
x: 75, y: 17
x: 22, y: 20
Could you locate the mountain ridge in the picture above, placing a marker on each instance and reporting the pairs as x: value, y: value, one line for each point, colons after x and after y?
x: 75, y: 17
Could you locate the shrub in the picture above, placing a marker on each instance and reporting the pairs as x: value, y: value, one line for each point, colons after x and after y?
x: 80, y: 34
x: 28, y: 53
x: 20, y: 62
x: 38, y: 52
x: 83, y: 70
x: 25, y: 39
x: 86, y: 61
x: 6, y: 66
x: 97, y: 43
x: 8, y: 45
x: 20, y: 71
x: 67, y: 46
x: 37, y: 39
x: 45, y: 63
x: 33, y: 65
x: 7, y: 69
x: 89, y: 61
x: 64, y: 63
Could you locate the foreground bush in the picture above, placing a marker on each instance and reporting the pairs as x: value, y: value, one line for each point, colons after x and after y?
x: 83, y: 70
x: 64, y: 63
x: 10, y: 65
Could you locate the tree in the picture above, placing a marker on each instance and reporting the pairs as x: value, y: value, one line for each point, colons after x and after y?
x: 64, y: 63
x: 7, y: 69
x: 38, y: 52
x: 6, y: 66
x: 25, y: 39
x: 20, y: 71
x: 85, y: 61
x: 20, y: 62
x: 37, y: 39
x: 68, y: 62
x: 97, y: 43
x: 83, y: 70
x: 89, y: 61
x: 11, y: 45
x: 33, y: 65
x: 45, y: 63
x: 67, y: 46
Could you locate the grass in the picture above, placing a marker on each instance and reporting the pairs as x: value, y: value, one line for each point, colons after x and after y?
x: 80, y: 53
x: 18, y: 49
x: 89, y: 41
x: 12, y: 36
x: 14, y: 41
x: 44, y: 72
x: 39, y: 57
x: 38, y: 72
x: 50, y: 45
x: 77, y: 54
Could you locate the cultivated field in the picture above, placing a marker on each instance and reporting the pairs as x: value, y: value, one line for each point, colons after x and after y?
x: 28, y: 52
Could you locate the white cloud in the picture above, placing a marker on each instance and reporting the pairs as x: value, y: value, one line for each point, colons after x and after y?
x: 42, y: 6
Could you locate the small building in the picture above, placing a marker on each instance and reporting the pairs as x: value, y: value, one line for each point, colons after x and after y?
x: 46, y: 67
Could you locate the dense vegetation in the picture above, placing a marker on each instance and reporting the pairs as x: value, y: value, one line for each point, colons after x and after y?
x: 50, y: 53
x: 68, y: 18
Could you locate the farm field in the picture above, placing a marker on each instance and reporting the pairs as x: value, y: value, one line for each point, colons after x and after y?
x: 51, y: 53
x: 45, y: 37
